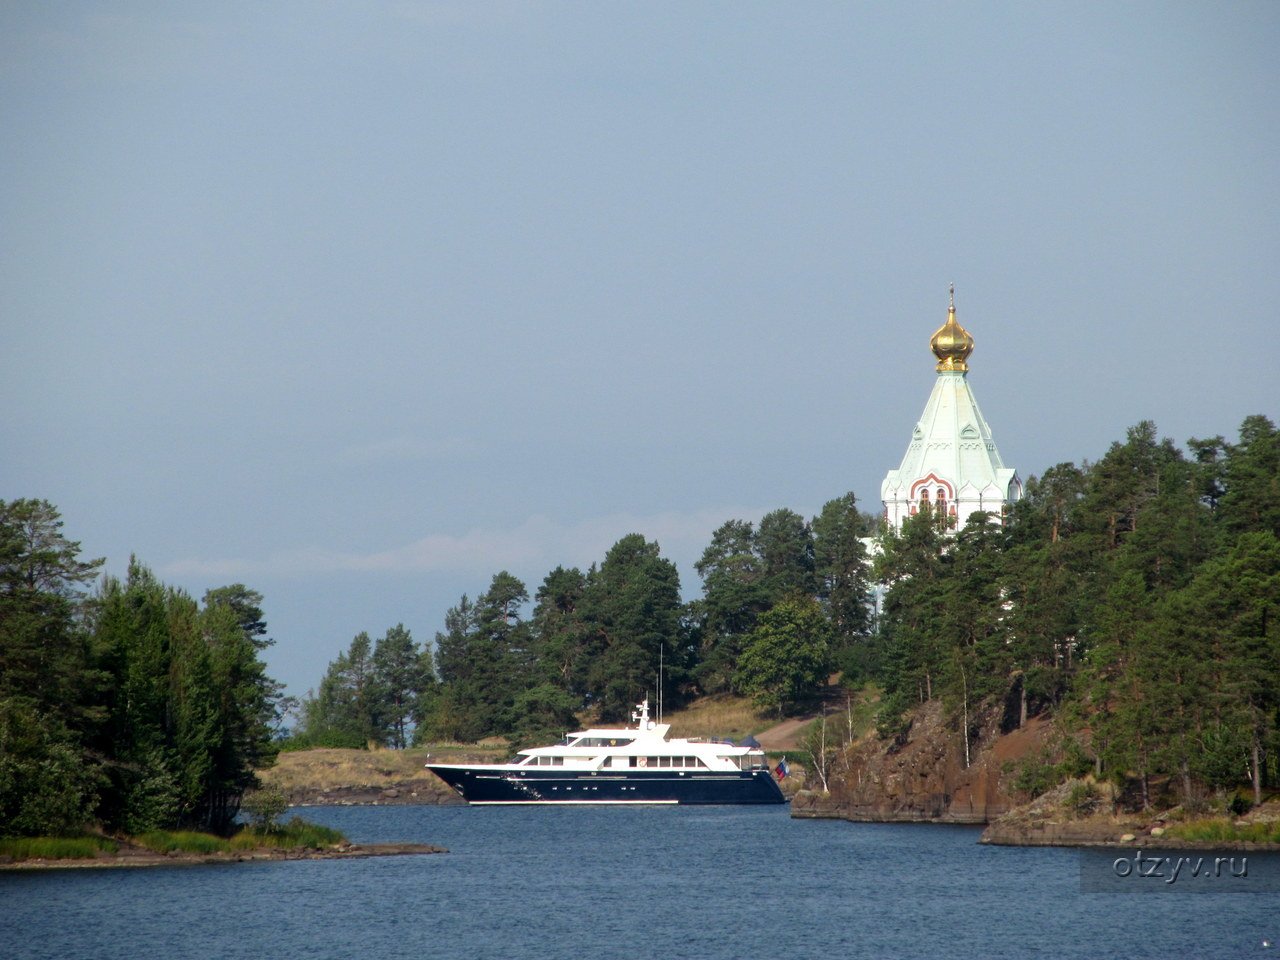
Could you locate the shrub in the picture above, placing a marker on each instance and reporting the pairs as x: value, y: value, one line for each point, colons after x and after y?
x: 1083, y: 799
x: 264, y: 808
x: 297, y: 834
x: 1037, y: 775
x: 1240, y: 805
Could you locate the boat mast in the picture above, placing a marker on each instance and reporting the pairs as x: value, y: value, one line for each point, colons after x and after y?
x: 661, y: 650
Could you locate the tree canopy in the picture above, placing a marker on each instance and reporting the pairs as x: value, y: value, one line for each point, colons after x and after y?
x: 133, y: 706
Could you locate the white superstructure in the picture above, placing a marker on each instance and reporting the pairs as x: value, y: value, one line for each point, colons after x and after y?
x: 644, y: 746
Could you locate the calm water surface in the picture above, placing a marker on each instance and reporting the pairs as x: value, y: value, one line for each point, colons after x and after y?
x: 645, y: 882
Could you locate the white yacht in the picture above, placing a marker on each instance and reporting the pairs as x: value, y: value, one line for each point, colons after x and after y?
x: 620, y: 765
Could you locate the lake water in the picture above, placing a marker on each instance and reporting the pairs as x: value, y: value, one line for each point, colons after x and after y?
x: 633, y: 882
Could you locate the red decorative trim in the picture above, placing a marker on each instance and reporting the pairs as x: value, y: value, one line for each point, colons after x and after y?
x: 932, y: 480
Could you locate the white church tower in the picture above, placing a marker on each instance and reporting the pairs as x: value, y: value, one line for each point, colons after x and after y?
x: 951, y: 463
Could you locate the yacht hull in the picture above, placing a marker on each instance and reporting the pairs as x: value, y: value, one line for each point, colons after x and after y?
x: 489, y: 785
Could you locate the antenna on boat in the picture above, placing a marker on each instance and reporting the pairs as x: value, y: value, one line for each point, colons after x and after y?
x: 661, y: 650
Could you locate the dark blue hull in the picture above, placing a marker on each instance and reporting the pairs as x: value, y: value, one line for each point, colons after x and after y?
x: 481, y: 785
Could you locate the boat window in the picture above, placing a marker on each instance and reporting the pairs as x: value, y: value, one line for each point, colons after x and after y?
x: 687, y: 762
x: 604, y: 742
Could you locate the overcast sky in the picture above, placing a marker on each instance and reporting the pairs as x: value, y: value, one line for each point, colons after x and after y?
x: 361, y: 303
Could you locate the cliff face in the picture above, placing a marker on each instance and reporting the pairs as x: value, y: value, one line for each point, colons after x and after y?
x: 926, y: 778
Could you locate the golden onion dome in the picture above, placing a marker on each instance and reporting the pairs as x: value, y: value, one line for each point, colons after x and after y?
x: 952, y: 343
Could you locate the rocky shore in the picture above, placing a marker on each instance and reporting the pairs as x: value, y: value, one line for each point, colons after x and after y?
x: 1059, y: 819
x: 397, y: 793
x: 922, y: 779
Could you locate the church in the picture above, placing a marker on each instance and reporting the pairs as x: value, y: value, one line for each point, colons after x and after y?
x: 951, y: 464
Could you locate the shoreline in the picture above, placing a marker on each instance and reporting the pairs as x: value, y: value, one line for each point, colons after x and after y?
x: 139, y: 857
x: 1037, y: 826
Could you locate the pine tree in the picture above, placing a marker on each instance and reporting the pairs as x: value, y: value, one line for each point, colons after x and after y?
x: 402, y: 677
x: 632, y: 608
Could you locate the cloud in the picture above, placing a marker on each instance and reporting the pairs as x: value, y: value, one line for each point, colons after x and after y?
x: 539, y: 543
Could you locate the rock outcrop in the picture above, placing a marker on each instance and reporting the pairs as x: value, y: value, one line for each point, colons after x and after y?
x: 925, y: 779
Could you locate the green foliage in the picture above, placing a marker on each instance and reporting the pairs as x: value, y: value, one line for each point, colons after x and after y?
x: 1219, y: 830
x: 264, y: 808
x: 304, y: 739
x: 734, y: 596
x: 56, y: 848
x: 297, y: 834
x: 402, y: 674
x: 632, y: 611
x: 372, y: 694
x: 51, y: 689
x: 134, y: 706
x: 1036, y: 775
x: 484, y: 662
x: 561, y: 643
x: 345, y: 712
x: 787, y: 656
x: 785, y: 545
x: 541, y: 714
x: 1083, y: 799
x: 1137, y: 594
x: 892, y: 721
x: 46, y: 787
x: 182, y: 841
x: 191, y: 709
x: 841, y: 568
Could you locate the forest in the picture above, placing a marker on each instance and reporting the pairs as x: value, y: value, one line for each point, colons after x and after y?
x: 1134, y: 598
x: 131, y: 706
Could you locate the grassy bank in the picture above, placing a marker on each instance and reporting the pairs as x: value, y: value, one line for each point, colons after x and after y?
x: 718, y: 716
x: 296, y: 835
x: 56, y: 848
x: 1223, y: 830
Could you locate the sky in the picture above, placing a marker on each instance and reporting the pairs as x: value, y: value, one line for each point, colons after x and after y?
x: 361, y: 303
